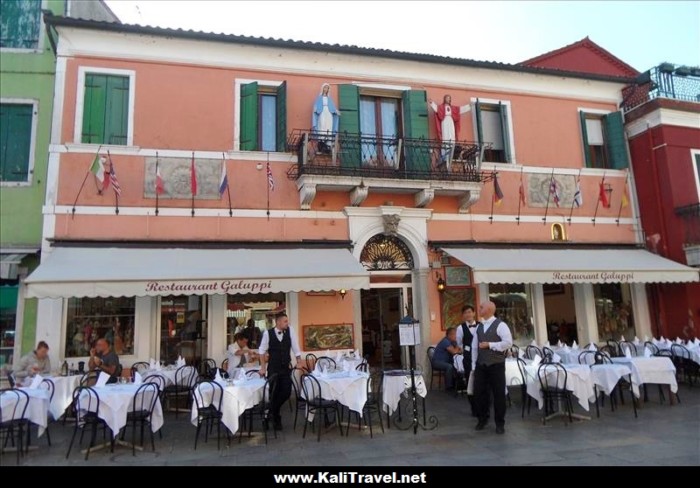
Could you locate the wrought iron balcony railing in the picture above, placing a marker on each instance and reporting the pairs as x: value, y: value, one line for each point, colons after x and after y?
x: 347, y: 154
x: 691, y: 221
x: 664, y: 81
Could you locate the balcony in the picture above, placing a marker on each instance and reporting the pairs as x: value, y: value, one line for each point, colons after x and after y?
x: 358, y: 164
x: 691, y: 222
x: 664, y: 81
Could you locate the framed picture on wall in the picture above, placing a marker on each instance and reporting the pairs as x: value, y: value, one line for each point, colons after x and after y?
x: 457, y: 276
x: 327, y: 336
x: 452, y: 300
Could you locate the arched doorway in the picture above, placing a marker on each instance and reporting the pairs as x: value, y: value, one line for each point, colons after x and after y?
x: 390, y: 262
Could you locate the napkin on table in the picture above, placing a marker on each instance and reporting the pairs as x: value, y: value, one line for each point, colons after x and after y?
x: 533, y: 343
x: 628, y: 354
x: 622, y: 338
x: 574, y: 346
x: 592, y: 347
x: 546, y: 343
x: 138, y: 379
x: 536, y: 362
x: 646, y: 338
x: 556, y: 358
x: 697, y: 341
x: 218, y: 379
x: 636, y: 340
x: 647, y: 352
x: 566, y: 348
x: 678, y: 340
x: 102, y: 379
x: 559, y: 344
x: 36, y: 381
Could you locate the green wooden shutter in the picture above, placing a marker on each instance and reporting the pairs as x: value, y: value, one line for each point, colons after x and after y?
x: 15, y: 141
x: 117, y: 110
x: 415, y: 122
x: 584, y: 139
x: 20, y: 23
x: 94, y: 104
x: 249, y: 117
x: 349, y: 125
x: 479, y: 131
x: 282, y: 117
x: 503, y: 110
x: 615, y: 141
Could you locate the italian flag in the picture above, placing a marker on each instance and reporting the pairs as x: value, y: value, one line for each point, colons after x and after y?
x: 98, y: 170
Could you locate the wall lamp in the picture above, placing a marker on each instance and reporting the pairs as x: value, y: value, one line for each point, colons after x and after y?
x: 440, y: 284
x: 343, y: 292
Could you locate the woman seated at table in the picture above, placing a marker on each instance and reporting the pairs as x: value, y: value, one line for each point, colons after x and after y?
x: 33, y: 363
x: 239, y: 354
x: 103, y: 358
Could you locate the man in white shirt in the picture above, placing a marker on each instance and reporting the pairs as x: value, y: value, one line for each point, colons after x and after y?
x: 489, y: 345
x: 238, y: 353
x: 278, y: 342
x: 465, y: 334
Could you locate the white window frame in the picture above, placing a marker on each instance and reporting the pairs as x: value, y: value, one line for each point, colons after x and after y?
x: 511, y: 134
x: 237, y: 111
x: 42, y: 36
x: 80, y: 101
x: 32, y: 142
x: 695, y: 153
x: 592, y: 111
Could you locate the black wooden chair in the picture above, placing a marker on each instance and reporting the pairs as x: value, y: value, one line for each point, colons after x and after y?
x: 141, y: 414
x: 326, y: 363
x: 373, y: 404
x: 139, y: 367
x: 626, y: 345
x: 553, y: 381
x: 588, y: 357
x: 208, y: 368
x: 433, y: 372
x: 547, y: 354
x: 11, y: 379
x: 611, y: 350
x: 513, y: 351
x: 224, y: 365
x: 363, y: 366
x: 532, y: 351
x: 653, y: 348
x: 524, y: 397
x: 588, y: 346
x: 12, y: 430
x: 46, y: 384
x: 317, y: 405
x: 261, y: 410
x: 299, y: 400
x: 86, y: 404
x: 310, y: 362
x: 208, y: 412
x: 185, y: 379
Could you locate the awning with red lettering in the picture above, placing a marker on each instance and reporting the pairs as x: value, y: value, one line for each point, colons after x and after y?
x: 571, y: 266
x: 115, y: 272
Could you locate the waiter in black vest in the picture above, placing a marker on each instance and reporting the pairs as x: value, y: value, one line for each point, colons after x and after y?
x: 278, y: 342
x: 489, y: 346
x: 465, y: 334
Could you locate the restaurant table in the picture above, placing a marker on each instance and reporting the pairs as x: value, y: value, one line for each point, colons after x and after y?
x: 116, y: 401
x: 395, y: 384
x: 579, y: 382
x: 349, y: 388
x: 168, y: 373
x: 238, y: 396
x: 63, y: 393
x: 606, y: 376
x: 653, y: 370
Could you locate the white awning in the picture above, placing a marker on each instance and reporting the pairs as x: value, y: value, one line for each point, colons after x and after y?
x: 115, y: 272
x: 571, y: 266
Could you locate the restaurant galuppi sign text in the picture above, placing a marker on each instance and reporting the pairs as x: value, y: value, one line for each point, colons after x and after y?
x: 593, y: 276
x: 214, y: 287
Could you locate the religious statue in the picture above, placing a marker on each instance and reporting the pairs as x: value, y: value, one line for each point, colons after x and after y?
x: 324, y: 120
x: 447, y: 121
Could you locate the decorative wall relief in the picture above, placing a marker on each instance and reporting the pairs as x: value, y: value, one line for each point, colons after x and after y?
x: 176, y: 178
x: 538, y: 190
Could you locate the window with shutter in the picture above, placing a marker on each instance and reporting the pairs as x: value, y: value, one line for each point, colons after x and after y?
x: 349, y: 125
x: 603, y: 140
x: 105, y: 109
x: 263, y: 116
x: 15, y: 141
x: 20, y: 24
x: 492, y: 128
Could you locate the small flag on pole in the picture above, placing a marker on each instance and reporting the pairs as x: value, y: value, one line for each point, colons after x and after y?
x: 625, y: 197
x: 98, y: 170
x: 497, y: 192
x: 603, y: 195
x: 270, y: 179
x: 113, y: 177
x: 554, y: 191
x: 193, y: 177
x: 223, y: 182
x: 578, y: 196
x: 160, y: 185
x: 522, y: 192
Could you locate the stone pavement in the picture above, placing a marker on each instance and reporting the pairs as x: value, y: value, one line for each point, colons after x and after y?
x: 662, y: 435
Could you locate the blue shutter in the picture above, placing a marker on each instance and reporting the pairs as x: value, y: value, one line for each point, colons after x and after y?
x: 15, y: 141
x: 615, y: 144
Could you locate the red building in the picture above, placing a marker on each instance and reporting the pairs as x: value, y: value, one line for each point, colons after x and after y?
x: 662, y: 122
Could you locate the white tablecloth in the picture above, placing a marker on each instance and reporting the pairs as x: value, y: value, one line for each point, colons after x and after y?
x: 578, y: 381
x: 37, y: 409
x: 654, y: 370
x: 63, y: 393
x: 238, y: 397
x: 167, y: 373
x: 606, y: 376
x: 116, y: 400
x: 569, y: 356
x: 513, y: 376
x: 347, y: 388
x: 394, y: 386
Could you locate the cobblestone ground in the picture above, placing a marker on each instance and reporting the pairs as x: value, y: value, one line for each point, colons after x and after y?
x: 662, y: 435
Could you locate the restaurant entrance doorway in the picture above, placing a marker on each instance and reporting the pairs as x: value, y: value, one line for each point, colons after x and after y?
x: 183, y: 329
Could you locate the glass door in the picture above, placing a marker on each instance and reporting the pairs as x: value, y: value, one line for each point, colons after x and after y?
x: 183, y: 329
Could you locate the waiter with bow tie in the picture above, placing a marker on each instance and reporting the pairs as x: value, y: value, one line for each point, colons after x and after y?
x: 465, y: 334
x: 278, y: 342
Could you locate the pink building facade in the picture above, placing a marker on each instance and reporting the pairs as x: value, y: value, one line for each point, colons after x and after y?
x: 346, y: 231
